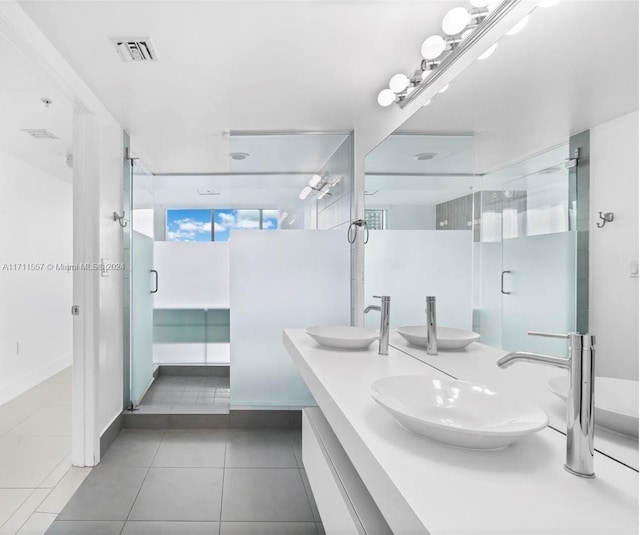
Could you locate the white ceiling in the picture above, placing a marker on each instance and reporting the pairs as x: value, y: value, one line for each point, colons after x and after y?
x: 21, y: 88
x: 252, y: 66
x: 573, y: 67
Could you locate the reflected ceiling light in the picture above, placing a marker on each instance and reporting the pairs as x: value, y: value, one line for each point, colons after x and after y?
x: 386, y: 97
x: 489, y: 52
x: 462, y: 29
x: 426, y: 103
x: 444, y: 89
x: 455, y: 21
x: 519, y: 27
x: 548, y: 3
x: 283, y: 216
x: 239, y: 155
x: 433, y: 47
x: 319, y: 185
x: 398, y: 83
x: 305, y: 192
x: 424, y: 156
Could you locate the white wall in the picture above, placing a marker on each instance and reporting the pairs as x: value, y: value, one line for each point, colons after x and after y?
x: 613, y: 296
x: 110, y: 382
x: 35, y: 308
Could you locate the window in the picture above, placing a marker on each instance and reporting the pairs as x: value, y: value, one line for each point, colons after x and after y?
x: 374, y: 219
x: 188, y: 225
x: 216, y: 225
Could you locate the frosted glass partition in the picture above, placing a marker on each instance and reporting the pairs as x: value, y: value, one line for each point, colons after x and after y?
x: 541, y: 286
x: 281, y: 279
x: 141, y: 316
x: 411, y: 264
x: 192, y: 275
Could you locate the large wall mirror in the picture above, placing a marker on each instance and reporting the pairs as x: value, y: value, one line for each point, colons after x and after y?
x: 476, y: 199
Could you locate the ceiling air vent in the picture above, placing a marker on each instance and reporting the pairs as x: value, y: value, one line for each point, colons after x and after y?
x: 135, y: 49
x: 40, y: 133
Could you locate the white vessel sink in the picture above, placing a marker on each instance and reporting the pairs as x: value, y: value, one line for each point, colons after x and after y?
x: 343, y: 336
x: 458, y: 413
x: 616, y: 402
x: 447, y: 337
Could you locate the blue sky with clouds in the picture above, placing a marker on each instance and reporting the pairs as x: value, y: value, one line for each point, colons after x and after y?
x: 195, y: 225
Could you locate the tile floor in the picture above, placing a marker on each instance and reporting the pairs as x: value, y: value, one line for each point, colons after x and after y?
x: 36, y: 476
x: 183, y: 482
x: 171, y: 394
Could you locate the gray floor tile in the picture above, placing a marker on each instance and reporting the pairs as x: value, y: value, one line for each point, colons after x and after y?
x: 134, y: 447
x: 170, y: 528
x: 268, y: 528
x: 264, y: 495
x: 260, y: 449
x: 107, y: 493
x: 192, y: 449
x: 71, y: 527
x: 189, y: 494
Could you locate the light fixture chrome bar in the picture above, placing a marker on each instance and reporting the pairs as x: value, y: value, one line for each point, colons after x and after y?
x: 444, y: 175
x: 242, y: 173
x: 248, y: 133
x: 482, y: 29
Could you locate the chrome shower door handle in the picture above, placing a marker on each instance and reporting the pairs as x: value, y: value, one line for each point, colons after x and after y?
x: 155, y: 274
x: 502, y: 282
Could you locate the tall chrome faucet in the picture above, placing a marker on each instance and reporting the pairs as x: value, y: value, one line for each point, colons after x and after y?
x: 580, y: 399
x: 432, y: 329
x: 384, y: 309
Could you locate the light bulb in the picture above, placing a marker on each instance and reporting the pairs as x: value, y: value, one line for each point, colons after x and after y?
x: 398, y: 83
x: 519, y: 27
x: 444, y: 89
x: 305, y: 192
x: 480, y: 3
x: 493, y: 4
x: 455, y: 21
x: 426, y: 103
x: 386, y: 97
x: 489, y: 52
x: 282, y: 217
x: 433, y: 47
x: 324, y: 191
x: 548, y: 3
x: 467, y: 33
x: 426, y: 74
x: 315, y: 180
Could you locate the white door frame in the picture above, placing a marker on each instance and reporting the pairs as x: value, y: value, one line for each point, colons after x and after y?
x: 16, y: 25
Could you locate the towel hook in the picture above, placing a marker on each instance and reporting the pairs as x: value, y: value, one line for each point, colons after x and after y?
x: 351, y: 236
x: 607, y: 217
x: 120, y: 219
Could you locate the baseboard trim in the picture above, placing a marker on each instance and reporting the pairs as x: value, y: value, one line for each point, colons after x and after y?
x: 110, y: 434
x: 243, y: 419
x: 13, y: 389
x: 204, y: 371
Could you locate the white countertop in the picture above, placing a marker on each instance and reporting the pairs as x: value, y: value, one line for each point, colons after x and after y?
x: 425, y: 487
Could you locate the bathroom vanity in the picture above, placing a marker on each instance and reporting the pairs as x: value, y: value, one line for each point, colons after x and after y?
x: 369, y: 475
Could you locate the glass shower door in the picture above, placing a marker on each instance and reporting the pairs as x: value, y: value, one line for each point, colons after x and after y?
x: 539, y: 249
x: 144, y: 283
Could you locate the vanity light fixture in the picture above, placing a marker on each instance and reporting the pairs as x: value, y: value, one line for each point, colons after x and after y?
x: 462, y: 28
x: 320, y: 185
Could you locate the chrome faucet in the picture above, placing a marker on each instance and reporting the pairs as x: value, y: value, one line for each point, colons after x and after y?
x: 432, y: 329
x: 580, y: 399
x: 384, y: 309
